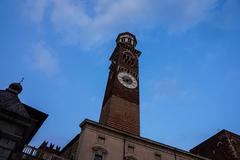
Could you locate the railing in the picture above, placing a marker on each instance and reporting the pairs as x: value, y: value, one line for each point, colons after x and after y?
x: 32, y: 153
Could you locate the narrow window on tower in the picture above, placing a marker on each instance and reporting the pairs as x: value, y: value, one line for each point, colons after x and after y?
x: 131, y: 42
x: 128, y: 59
x: 124, y: 56
x: 132, y: 61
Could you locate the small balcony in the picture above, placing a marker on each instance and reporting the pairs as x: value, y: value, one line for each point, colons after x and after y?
x: 32, y: 153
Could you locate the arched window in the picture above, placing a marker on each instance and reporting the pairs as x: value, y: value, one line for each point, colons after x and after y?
x: 132, y: 42
x: 98, y: 157
x: 219, y: 144
x: 128, y: 59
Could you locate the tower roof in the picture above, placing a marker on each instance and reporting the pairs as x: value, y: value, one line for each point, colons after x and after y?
x: 15, y: 88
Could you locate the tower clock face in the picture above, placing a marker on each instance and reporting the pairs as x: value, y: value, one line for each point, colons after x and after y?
x: 127, y: 80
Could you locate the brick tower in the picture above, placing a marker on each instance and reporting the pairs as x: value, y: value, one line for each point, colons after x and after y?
x: 120, y: 108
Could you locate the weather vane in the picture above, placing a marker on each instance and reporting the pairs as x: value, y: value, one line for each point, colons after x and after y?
x: 22, y: 80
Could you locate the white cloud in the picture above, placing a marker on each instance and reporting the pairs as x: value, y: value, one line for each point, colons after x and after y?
x: 179, y: 16
x: 36, y: 9
x: 168, y: 88
x: 90, y: 22
x: 42, y: 58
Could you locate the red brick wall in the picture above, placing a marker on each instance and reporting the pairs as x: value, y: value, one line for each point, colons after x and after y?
x: 120, y: 108
x: 121, y: 114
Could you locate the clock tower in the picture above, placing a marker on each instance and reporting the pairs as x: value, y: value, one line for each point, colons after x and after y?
x: 120, y: 108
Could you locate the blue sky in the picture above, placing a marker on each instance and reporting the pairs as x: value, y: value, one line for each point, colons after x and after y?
x: 189, y: 67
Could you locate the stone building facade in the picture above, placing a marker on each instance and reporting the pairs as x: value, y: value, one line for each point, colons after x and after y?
x: 107, y: 143
x: 18, y: 123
